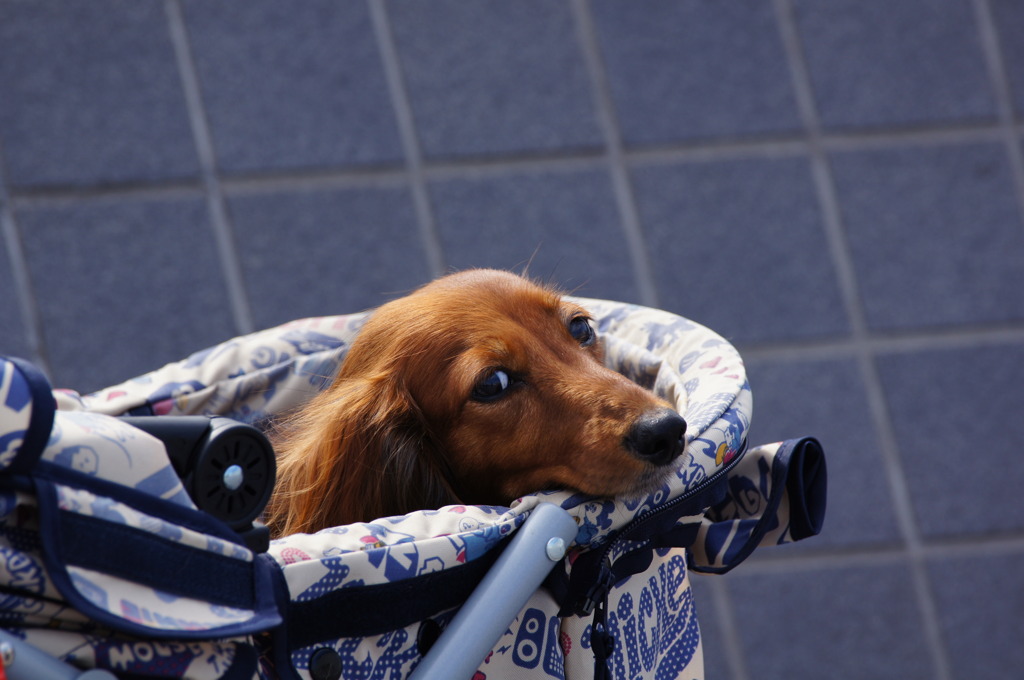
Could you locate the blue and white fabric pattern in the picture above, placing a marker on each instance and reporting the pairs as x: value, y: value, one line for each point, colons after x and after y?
x: 332, y: 592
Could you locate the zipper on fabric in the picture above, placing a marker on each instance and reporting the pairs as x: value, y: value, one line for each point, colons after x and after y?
x: 595, y: 601
x: 602, y: 642
x: 598, y: 592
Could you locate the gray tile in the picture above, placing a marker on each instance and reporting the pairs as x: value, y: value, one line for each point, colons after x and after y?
x: 494, y: 78
x: 315, y: 253
x: 1009, y: 20
x: 739, y: 246
x: 856, y: 623
x: 292, y: 86
x: 878, y: 63
x: 681, y: 71
x: 935, y: 233
x: 563, y: 224
x: 712, y: 633
x: 826, y: 399
x: 980, y: 600
x: 13, y: 336
x: 957, y: 414
x: 123, y: 286
x: 96, y: 91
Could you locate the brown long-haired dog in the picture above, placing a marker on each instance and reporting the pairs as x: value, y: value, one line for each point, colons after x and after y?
x: 477, y: 388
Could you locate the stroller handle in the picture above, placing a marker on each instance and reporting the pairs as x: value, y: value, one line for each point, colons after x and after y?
x: 533, y: 552
x: 22, y: 661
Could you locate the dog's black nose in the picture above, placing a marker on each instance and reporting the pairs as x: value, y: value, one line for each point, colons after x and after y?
x: 658, y: 436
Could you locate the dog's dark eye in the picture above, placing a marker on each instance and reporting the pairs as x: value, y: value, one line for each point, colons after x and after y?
x: 581, y: 330
x: 492, y: 387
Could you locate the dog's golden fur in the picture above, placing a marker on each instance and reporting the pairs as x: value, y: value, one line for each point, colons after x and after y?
x: 477, y: 388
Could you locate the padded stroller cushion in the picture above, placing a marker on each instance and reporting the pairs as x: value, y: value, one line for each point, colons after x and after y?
x: 92, y: 513
x: 26, y: 414
x: 775, y: 495
x: 256, y: 377
x: 722, y: 499
x: 108, y: 527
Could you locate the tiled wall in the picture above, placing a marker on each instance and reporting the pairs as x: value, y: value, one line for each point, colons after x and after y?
x: 835, y: 186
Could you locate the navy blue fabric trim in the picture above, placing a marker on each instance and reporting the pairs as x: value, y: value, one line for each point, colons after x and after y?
x: 656, y: 529
x: 662, y: 519
x: 807, y: 484
x: 143, y: 502
x: 768, y: 518
x: 40, y: 420
x: 143, y: 557
x: 243, y: 666
x: 64, y: 544
x: 379, y: 608
x: 797, y: 462
x: 22, y: 483
x: 268, y: 585
x: 279, y: 655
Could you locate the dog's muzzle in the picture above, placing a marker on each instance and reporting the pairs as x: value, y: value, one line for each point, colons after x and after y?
x: 657, y: 437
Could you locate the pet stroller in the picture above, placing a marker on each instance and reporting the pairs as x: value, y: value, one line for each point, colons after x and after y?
x: 130, y: 541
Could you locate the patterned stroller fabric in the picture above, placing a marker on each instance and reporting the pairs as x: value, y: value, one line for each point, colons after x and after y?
x: 105, y: 561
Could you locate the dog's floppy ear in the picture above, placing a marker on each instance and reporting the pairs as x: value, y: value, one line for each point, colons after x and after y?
x: 359, y: 451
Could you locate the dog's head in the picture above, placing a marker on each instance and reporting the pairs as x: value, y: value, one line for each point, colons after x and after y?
x: 478, y: 388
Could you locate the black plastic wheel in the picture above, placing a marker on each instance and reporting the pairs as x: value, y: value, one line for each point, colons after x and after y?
x: 234, y: 473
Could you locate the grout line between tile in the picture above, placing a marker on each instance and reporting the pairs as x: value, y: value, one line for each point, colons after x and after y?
x: 57, y: 195
x: 883, y: 556
x: 992, y: 49
x: 711, y: 151
x: 923, y: 136
x: 414, y: 165
x: 220, y: 220
x: 614, y: 154
x: 915, y: 340
x: 565, y: 160
x: 24, y: 292
x: 313, y: 181
x: 843, y: 263
x: 505, y: 165
x: 965, y: 546
x: 975, y: 546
